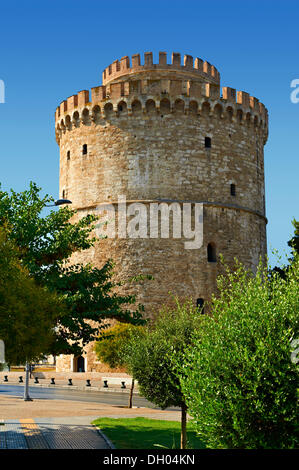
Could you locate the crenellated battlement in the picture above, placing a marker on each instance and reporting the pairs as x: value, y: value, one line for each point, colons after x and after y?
x: 130, y: 98
x: 130, y: 88
x: 201, y: 70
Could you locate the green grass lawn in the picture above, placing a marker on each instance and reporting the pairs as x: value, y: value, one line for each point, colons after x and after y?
x: 145, y: 433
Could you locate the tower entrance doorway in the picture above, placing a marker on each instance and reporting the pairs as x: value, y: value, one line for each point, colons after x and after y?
x: 79, y: 364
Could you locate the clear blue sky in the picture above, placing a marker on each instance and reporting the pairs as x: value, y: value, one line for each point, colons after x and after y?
x: 52, y: 49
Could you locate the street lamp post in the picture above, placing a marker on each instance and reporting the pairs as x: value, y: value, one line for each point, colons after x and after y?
x: 26, y: 386
x: 60, y: 202
x: 2, y: 352
x: 27, y: 397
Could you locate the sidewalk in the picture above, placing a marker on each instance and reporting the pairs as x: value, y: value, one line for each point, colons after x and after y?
x: 51, y: 433
x: 61, y: 424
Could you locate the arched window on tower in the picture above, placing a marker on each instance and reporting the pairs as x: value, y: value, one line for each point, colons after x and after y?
x: 84, y: 149
x: 232, y: 189
x: 200, y: 304
x: 212, y: 253
x: 68, y: 155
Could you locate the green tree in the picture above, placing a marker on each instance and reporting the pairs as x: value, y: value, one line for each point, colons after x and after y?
x: 112, y: 342
x: 111, y: 346
x: 45, y: 244
x: 27, y: 310
x: 294, y: 242
x: 238, y: 378
x: 150, y: 357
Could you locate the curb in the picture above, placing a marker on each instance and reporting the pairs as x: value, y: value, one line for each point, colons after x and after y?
x: 106, y: 439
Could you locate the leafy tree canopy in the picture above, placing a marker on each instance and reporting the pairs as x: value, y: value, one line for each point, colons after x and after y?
x: 45, y: 244
x: 293, y: 243
x: 27, y: 310
x: 151, y: 357
x: 112, y: 343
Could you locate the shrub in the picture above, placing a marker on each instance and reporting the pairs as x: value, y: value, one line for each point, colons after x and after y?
x: 110, y: 344
x: 238, y: 378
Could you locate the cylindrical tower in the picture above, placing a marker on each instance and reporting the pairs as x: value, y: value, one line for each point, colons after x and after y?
x: 162, y: 133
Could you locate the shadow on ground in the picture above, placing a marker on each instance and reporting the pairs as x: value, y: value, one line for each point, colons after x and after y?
x: 144, y: 433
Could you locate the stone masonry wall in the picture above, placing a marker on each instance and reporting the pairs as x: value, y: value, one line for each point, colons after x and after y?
x: 146, y: 140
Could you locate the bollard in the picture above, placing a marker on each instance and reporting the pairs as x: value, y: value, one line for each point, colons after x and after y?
x: 20, y: 380
x: 52, y: 381
x: 36, y: 380
x: 70, y: 382
x: 88, y: 383
x: 105, y: 383
x: 5, y: 378
x: 123, y: 385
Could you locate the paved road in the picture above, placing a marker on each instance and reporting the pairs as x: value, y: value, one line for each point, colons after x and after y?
x: 110, y: 398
